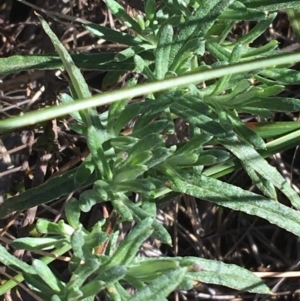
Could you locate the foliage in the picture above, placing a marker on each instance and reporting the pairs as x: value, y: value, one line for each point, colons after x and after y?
x: 167, y: 46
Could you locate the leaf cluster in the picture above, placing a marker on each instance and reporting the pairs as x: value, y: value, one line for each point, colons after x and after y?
x: 170, y: 41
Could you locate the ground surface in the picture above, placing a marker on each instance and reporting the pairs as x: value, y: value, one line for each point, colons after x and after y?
x: 198, y: 228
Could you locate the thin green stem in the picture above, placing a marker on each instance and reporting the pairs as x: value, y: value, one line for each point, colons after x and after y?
x: 110, y: 97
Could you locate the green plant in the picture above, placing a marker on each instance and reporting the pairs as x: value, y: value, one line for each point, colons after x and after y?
x: 167, y: 49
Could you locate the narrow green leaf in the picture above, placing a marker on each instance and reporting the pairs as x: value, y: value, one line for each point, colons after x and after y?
x: 162, y: 52
x: 161, y: 287
x: 11, y: 261
x: 256, y: 31
x: 121, y: 14
x: 258, y: 111
x: 198, y: 119
x: 142, y: 66
x: 129, y: 112
x: 138, y: 158
x: 223, y: 118
x: 266, y: 50
x: 72, y: 212
x: 44, y: 226
x: 111, y: 35
x: 84, y: 171
x: 240, y: 89
x: 143, y: 186
x: 130, y: 172
x: 213, y: 156
x: 191, y: 47
x: 198, y: 24
x: 265, y: 186
x: 131, y: 51
x: 114, y: 112
x: 128, y: 248
x: 273, y: 90
x: 102, y: 189
x: 82, y: 273
x: 77, y: 241
x: 47, y: 276
x: 8, y: 285
x: 252, y: 158
x: 217, y: 272
x: 158, y: 126
x: 35, y: 284
x: 111, y: 78
x: 95, y: 61
x: 122, y: 291
x: 219, y: 52
x: 78, y: 81
x: 279, y: 104
x: 246, y: 133
x: 139, y: 215
x: 149, y: 206
x: 36, y: 243
x: 55, y: 298
x: 273, y: 129
x: 92, y: 289
x: 49, y: 191
x: 122, y: 210
x: 123, y: 143
x: 238, y: 199
x: 74, y: 294
x: 247, y: 14
x: 150, y: 8
x: 159, y: 155
x: 147, y: 270
x: 88, y: 199
x: 149, y: 142
x: 151, y: 108
x: 276, y: 5
x: 183, y: 160
x: 113, y: 274
x: 113, y: 293
x: 66, y: 98
x: 282, y: 75
x: 95, y: 139
x: 222, y: 82
x: 97, y: 237
x: 138, y: 284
